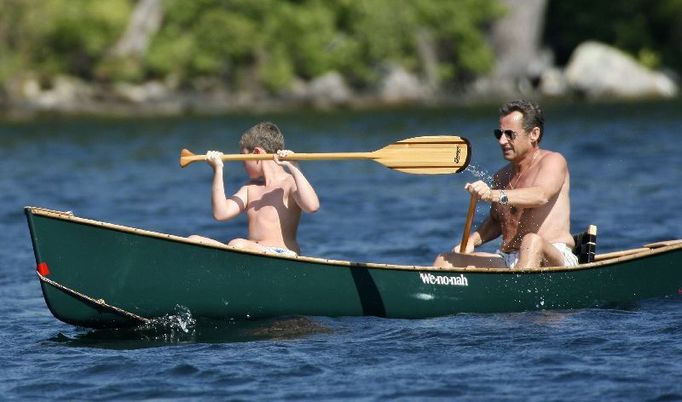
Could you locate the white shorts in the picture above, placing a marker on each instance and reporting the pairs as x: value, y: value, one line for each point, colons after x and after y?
x: 570, y: 259
x: 280, y: 251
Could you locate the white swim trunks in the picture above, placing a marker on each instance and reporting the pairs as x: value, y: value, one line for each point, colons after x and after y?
x: 570, y: 259
x: 280, y: 251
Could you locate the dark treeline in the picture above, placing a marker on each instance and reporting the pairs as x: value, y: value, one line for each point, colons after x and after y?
x: 651, y: 31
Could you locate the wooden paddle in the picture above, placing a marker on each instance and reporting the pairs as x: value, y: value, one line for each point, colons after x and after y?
x: 646, y: 247
x: 467, y: 224
x: 436, y: 154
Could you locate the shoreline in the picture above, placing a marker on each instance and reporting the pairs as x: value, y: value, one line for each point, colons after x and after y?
x: 179, y: 104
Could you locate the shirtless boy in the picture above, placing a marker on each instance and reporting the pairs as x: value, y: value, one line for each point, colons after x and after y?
x: 530, y: 204
x: 273, y: 198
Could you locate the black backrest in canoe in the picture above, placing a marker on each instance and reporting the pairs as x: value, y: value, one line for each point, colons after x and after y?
x: 586, y: 244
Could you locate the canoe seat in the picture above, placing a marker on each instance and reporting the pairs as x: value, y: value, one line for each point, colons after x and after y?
x: 586, y: 244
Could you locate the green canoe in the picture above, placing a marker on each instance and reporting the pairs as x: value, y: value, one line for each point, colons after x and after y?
x: 96, y: 274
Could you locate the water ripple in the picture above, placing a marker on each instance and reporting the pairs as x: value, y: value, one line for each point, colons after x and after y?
x: 125, y: 171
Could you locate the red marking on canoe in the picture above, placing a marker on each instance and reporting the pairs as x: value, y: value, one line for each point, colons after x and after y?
x: 43, y: 269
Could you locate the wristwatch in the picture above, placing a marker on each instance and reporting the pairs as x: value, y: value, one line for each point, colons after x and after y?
x: 504, y: 200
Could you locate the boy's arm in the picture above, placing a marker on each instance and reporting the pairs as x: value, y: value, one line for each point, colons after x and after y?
x: 224, y: 208
x: 305, y: 194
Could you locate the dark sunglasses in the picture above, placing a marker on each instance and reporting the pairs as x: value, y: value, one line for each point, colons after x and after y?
x: 510, y: 134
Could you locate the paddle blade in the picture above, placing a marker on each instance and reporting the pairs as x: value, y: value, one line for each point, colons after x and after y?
x: 187, y: 157
x: 435, y: 154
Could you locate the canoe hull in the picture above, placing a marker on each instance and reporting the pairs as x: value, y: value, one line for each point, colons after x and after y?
x: 95, y: 274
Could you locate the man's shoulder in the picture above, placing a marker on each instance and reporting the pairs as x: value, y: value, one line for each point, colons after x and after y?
x: 553, y: 157
x: 550, y: 152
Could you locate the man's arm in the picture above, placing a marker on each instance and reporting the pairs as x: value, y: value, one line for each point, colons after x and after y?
x: 487, y: 231
x: 547, y: 184
x: 551, y: 176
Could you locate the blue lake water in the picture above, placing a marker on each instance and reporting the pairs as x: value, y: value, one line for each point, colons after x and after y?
x: 626, y: 170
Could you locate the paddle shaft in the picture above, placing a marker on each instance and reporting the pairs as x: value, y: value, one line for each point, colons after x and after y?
x: 467, y: 224
x: 294, y: 156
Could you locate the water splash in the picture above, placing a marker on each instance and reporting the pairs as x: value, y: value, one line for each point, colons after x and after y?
x: 172, y: 328
x: 480, y: 173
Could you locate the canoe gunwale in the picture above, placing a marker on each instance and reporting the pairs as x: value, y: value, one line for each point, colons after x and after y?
x: 625, y: 255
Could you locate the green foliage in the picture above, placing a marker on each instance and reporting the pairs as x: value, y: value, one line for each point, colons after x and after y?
x: 277, y: 70
x: 459, y: 33
x: 48, y: 37
x: 281, y: 40
x: 268, y: 43
x: 246, y: 43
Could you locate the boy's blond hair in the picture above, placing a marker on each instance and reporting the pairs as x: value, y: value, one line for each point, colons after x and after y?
x: 265, y: 135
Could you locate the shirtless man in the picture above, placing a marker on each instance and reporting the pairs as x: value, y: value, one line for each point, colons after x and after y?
x: 530, y: 205
x: 273, y: 198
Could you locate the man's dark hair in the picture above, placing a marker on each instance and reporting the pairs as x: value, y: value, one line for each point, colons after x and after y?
x: 531, y: 111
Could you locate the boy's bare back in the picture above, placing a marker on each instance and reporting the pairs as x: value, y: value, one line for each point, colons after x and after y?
x: 273, y: 213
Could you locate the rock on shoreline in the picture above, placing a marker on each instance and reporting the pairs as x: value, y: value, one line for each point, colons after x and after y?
x: 601, y: 71
x: 595, y: 71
